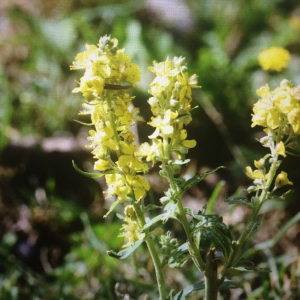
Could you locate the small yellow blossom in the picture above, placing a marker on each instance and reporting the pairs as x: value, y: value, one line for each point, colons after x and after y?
x: 131, y: 232
x: 280, y: 149
x: 282, y: 179
x: 274, y: 58
x: 139, y: 185
x: 256, y: 174
x: 259, y: 164
x: 117, y: 185
x: 102, y: 165
x: 131, y: 164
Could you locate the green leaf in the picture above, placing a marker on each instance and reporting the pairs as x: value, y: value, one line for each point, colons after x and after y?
x: 151, y: 207
x: 169, y: 209
x: 178, y: 162
x: 213, y: 197
x: 153, y: 221
x: 237, y: 270
x: 189, y: 289
x: 179, y: 257
x: 87, y: 174
x: 212, y: 230
x: 83, y: 123
x: 126, y: 252
x: 283, y: 197
x: 111, y: 209
x: 227, y: 284
x: 239, y: 200
x: 255, y: 226
x: 196, y: 179
x: 220, y: 241
x: 119, y: 216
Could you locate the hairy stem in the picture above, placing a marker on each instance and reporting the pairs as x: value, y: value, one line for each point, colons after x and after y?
x: 154, y: 255
x: 237, y: 248
x: 193, y: 248
x: 211, y: 276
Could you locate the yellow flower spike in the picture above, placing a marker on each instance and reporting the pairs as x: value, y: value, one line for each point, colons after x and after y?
x: 274, y: 58
x: 280, y: 149
x: 282, y: 180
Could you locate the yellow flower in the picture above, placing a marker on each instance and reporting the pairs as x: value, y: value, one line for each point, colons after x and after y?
x: 274, y: 58
x: 131, y: 232
x: 102, y: 165
x: 139, y: 184
x: 117, y: 185
x: 265, y: 114
x: 282, y: 179
x: 256, y: 174
x: 294, y: 120
x: 131, y: 164
x: 280, y: 149
x: 153, y: 152
x: 259, y: 164
x: 278, y: 108
x: 85, y: 59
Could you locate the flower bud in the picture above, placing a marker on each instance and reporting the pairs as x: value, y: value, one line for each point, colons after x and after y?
x: 259, y: 164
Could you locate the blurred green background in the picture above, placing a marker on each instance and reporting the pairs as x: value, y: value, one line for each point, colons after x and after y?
x: 52, y: 232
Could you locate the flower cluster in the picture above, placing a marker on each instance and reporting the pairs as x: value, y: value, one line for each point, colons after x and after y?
x: 131, y: 230
x: 274, y: 58
x: 279, y: 109
x: 279, y: 112
x: 108, y: 73
x: 171, y: 103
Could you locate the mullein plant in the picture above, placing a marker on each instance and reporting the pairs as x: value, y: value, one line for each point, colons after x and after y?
x: 109, y: 74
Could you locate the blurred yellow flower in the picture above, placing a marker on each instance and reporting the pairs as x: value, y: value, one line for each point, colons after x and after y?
x: 294, y: 22
x: 274, y: 58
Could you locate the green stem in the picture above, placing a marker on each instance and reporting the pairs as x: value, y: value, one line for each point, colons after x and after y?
x: 211, y: 276
x: 155, y: 258
x: 237, y: 247
x: 193, y: 248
